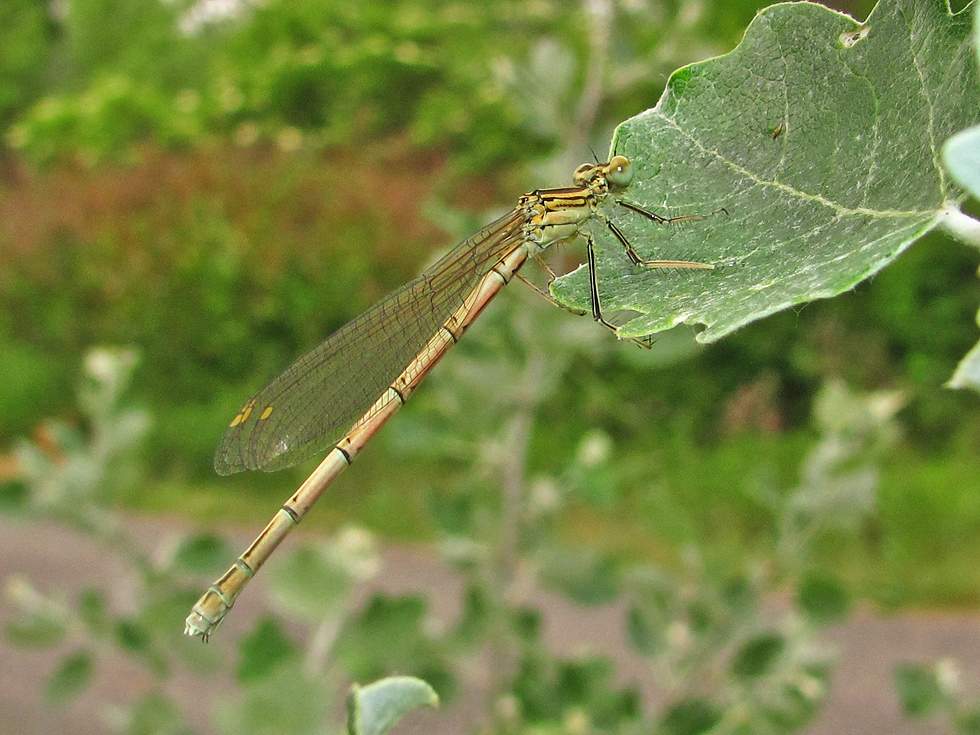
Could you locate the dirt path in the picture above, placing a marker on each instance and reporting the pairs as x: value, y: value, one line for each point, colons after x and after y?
x: 861, y: 700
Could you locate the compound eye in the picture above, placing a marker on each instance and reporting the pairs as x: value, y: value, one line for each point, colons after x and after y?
x: 620, y: 171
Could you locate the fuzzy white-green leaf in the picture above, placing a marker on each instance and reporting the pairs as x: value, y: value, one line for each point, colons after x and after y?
x: 962, y: 157
x: 376, y: 708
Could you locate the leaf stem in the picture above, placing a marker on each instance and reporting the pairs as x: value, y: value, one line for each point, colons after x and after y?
x: 961, y: 226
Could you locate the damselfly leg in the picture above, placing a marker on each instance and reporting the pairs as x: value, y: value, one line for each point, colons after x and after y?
x: 630, y: 253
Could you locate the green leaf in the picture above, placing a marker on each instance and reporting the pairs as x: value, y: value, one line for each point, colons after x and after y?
x: 291, y: 700
x: 550, y: 690
x: 310, y: 584
x: 643, y: 635
x: 151, y: 714
x: 823, y: 599
x: 961, y: 155
x: 690, y: 717
x: 389, y: 635
x: 453, y: 514
x: 36, y: 631
x: 702, y: 616
x: 474, y: 619
x: 263, y: 650
x: 850, y: 182
x: 91, y: 610
x: 967, y: 373
x: 202, y: 554
x: 71, y: 678
x: 918, y: 689
x: 136, y: 639
x: 968, y: 722
x: 15, y: 495
x: 738, y: 592
x: 133, y: 636
x: 758, y: 655
x: 527, y: 623
x: 385, y: 625
x: 378, y: 707
x: 585, y: 575
x: 589, y: 684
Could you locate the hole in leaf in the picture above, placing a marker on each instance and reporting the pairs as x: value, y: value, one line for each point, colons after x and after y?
x: 851, y: 39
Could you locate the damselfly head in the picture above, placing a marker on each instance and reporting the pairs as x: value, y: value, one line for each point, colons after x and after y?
x: 618, y: 173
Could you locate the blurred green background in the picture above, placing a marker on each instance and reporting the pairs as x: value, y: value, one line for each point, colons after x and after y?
x: 221, y: 185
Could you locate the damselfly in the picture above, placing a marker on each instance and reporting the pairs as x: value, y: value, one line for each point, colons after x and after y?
x: 366, y: 370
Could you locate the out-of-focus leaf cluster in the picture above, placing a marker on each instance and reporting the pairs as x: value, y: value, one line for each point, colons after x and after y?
x: 721, y: 658
x: 936, y: 694
x: 496, y: 82
x: 71, y: 478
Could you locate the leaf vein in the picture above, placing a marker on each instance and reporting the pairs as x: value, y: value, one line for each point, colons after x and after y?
x: 839, y: 209
x: 929, y: 102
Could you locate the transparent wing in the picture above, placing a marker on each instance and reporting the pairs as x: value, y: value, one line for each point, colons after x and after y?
x: 307, y: 408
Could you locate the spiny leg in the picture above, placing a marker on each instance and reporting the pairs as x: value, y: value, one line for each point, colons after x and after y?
x: 545, y: 295
x: 544, y: 265
x: 636, y: 259
x: 642, y: 342
x: 661, y: 220
x: 658, y: 219
x: 594, y: 294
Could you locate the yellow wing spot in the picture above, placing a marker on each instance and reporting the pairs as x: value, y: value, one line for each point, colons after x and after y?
x: 243, y: 415
x: 266, y: 413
